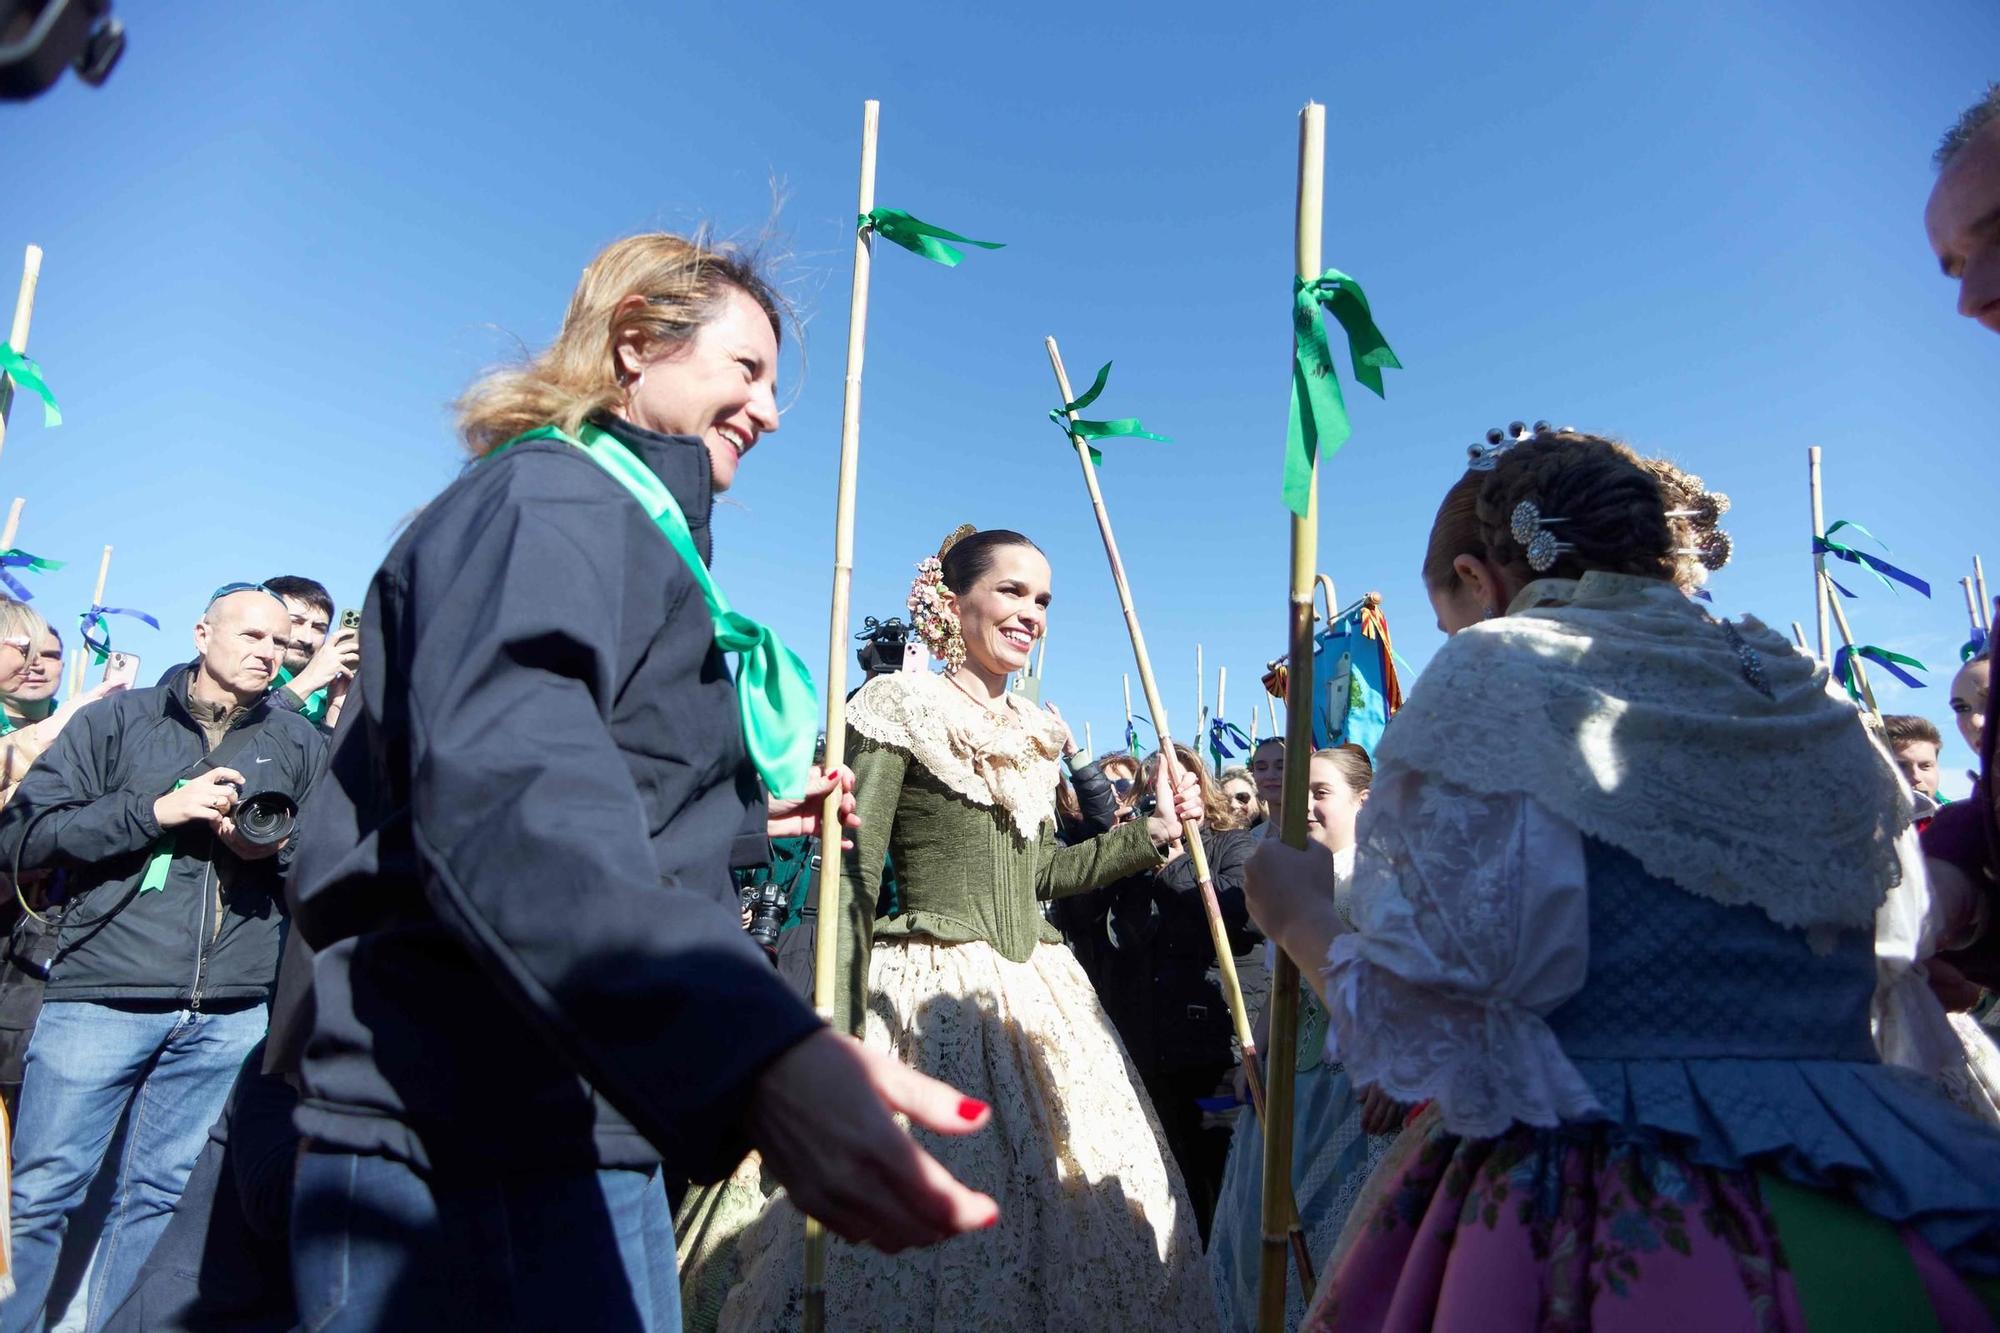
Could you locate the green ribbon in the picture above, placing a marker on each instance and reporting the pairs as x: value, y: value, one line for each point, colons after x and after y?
x: 920, y: 237
x: 1122, y: 428
x: 28, y: 374
x: 162, y: 859
x: 1319, y: 413
x: 776, y: 701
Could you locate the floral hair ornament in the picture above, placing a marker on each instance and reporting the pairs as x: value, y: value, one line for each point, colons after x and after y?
x: 1531, y: 533
x: 930, y: 613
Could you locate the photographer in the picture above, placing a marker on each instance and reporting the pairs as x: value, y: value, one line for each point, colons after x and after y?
x: 169, y: 941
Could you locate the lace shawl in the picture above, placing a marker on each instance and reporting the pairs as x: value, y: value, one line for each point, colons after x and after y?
x: 1009, y: 760
x: 1622, y: 707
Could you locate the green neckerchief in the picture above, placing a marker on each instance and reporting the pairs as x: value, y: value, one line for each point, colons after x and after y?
x: 313, y: 706
x: 777, y: 703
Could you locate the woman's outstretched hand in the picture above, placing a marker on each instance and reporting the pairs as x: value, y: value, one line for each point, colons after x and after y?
x: 1176, y: 802
x: 821, y: 1118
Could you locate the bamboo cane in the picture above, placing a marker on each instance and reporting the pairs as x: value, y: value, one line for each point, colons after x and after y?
x: 1089, y: 746
x: 1985, y: 602
x: 1971, y: 603
x: 1200, y: 697
x: 1799, y: 637
x: 13, y: 528
x: 1821, y: 593
x: 1221, y: 708
x: 827, y: 943
x: 1854, y: 658
x: 1253, y: 726
x: 1284, y: 1003
x: 1225, y: 960
x: 17, y: 338
x: 96, y: 599
x: 1271, y: 702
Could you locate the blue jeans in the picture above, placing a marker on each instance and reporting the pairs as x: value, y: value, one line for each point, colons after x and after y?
x: 86, y: 1064
x: 376, y: 1244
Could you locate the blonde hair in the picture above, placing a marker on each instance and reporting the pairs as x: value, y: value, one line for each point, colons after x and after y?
x: 684, y: 282
x: 18, y: 620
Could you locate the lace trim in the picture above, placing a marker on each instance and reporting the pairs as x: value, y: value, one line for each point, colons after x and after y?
x: 1007, y: 760
x: 1626, y: 713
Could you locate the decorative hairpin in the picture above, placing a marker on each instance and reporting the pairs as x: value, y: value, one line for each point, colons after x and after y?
x: 1485, y: 457
x: 1712, y: 549
x: 1707, y: 509
x: 1531, y: 533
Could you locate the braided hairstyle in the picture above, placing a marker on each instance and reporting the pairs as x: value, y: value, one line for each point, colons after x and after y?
x: 1621, y: 513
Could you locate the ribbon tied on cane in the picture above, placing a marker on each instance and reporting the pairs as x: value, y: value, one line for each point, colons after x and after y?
x: 1319, y: 412
x: 920, y: 237
x: 27, y: 374
x: 1120, y: 428
x: 14, y: 558
x: 1874, y: 564
x: 1974, y: 646
x: 1132, y: 735
x: 1226, y: 739
x: 96, y: 631
x: 1893, y: 663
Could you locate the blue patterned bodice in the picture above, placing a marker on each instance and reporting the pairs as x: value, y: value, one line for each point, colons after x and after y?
x: 1677, y: 977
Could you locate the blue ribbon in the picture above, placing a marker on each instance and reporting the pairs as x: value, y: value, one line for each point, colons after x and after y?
x: 1881, y: 568
x: 1974, y: 646
x: 1132, y: 735
x: 1843, y: 666
x: 1226, y: 739
x: 19, y: 559
x: 99, y: 642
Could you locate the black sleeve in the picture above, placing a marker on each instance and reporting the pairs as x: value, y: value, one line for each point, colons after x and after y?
x: 74, y: 820
x: 1095, y: 798
x: 536, y: 844
x: 1178, y: 892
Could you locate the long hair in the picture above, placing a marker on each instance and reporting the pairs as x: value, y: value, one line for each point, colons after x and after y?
x: 1217, y: 816
x: 684, y: 282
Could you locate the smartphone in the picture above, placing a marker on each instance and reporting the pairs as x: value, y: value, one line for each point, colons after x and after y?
x: 350, y: 618
x: 121, y: 669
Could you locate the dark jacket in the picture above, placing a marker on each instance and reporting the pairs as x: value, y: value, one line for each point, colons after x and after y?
x: 212, y: 933
x: 517, y: 873
x: 1159, y: 979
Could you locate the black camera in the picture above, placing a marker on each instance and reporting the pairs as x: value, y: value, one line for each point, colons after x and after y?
x: 768, y: 903
x: 883, y: 645
x: 265, y: 818
x: 39, y: 39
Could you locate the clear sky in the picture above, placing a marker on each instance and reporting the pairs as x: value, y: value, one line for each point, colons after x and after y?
x: 282, y: 238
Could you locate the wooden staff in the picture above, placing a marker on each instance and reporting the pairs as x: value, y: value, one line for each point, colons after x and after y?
x: 1253, y: 726
x: 1985, y: 602
x: 13, y: 528
x: 1221, y: 708
x: 1197, y: 854
x: 1854, y: 658
x: 82, y: 650
x: 1200, y: 696
x: 1965, y: 586
x: 1799, y: 637
x: 1284, y: 1002
x: 1271, y: 702
x: 1089, y: 746
x: 1820, y: 591
x: 24, y: 314
x: 826, y: 955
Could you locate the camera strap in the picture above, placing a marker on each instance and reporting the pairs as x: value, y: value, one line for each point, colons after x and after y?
x: 162, y: 859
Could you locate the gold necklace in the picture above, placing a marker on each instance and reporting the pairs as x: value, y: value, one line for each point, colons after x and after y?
x: 999, y: 710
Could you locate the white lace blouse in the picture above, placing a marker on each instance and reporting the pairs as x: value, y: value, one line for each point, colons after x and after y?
x: 1471, y: 924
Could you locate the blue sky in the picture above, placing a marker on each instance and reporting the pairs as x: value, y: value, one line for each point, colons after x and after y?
x: 282, y: 238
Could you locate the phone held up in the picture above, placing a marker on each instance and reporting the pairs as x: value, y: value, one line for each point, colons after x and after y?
x: 350, y: 618
x: 121, y: 669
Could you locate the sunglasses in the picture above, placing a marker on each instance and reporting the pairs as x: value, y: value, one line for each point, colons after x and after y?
x: 1243, y: 797
x: 229, y: 589
x: 1122, y: 786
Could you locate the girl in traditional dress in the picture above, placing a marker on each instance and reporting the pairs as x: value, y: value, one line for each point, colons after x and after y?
x: 1333, y: 1146
x: 1638, y: 1005
x: 956, y: 778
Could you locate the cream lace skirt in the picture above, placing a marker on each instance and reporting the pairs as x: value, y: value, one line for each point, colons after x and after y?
x: 1095, y: 1232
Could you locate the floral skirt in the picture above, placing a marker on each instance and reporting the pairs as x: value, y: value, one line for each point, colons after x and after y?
x: 1095, y: 1235
x: 1588, y: 1227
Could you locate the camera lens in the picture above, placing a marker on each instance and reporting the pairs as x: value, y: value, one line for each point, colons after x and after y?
x: 266, y: 819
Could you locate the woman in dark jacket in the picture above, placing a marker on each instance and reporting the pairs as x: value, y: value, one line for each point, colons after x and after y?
x: 532, y: 986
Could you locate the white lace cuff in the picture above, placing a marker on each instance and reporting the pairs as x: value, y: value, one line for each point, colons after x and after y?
x: 1471, y: 925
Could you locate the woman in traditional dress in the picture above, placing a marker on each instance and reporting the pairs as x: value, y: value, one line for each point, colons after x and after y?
x: 1640, y: 1012
x: 956, y: 778
x: 1333, y: 1148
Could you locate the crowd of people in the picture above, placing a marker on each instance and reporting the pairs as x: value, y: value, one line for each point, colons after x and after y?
x: 395, y: 973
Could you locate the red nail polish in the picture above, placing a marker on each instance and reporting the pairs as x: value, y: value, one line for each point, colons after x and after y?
x: 970, y: 1108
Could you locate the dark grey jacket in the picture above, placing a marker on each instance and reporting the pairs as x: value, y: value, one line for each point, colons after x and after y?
x: 517, y: 873
x: 213, y: 932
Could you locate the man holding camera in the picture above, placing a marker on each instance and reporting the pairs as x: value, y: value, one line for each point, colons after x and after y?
x: 171, y: 809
